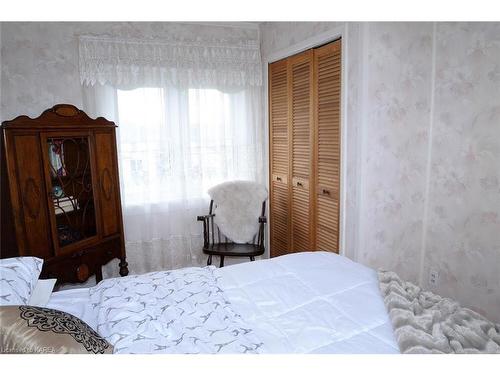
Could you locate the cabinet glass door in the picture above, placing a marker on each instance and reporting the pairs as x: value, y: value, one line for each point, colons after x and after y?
x: 72, y: 194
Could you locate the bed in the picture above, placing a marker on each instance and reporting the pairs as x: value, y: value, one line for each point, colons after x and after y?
x: 310, y: 302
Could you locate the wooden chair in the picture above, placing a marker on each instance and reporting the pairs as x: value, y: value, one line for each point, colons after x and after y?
x: 216, y: 243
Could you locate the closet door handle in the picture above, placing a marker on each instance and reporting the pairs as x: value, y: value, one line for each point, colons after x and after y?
x: 299, y: 183
x: 326, y: 192
x: 278, y: 179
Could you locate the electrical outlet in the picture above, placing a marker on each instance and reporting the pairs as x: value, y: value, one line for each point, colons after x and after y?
x: 433, y: 277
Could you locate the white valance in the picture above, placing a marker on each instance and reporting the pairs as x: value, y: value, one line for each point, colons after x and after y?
x: 197, y: 63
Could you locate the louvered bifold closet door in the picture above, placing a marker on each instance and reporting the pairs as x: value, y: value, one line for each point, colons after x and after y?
x: 279, y: 152
x: 327, y: 72
x: 301, y: 118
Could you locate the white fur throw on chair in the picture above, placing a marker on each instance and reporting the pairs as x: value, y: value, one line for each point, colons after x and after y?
x: 238, y: 205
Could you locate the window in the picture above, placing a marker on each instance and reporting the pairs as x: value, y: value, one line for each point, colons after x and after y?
x: 176, y: 143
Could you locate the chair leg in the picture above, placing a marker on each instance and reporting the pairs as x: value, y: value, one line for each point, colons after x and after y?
x: 222, y: 261
x: 252, y: 258
x: 209, y: 260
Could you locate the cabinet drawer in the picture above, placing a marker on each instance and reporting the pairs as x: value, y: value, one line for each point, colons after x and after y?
x: 78, y: 266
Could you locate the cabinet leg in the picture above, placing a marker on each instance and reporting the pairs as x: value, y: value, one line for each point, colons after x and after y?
x: 209, y: 260
x: 222, y: 261
x: 123, y: 267
x: 252, y: 258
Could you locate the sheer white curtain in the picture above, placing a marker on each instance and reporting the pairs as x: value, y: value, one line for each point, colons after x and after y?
x: 175, y: 140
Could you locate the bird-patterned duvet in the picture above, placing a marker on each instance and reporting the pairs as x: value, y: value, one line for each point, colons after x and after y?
x: 182, y: 311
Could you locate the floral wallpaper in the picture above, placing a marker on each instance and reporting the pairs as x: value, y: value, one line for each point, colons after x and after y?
x: 353, y: 135
x: 423, y: 151
x: 280, y: 35
x: 463, y: 241
x: 423, y: 134
x: 394, y: 158
x: 40, y: 59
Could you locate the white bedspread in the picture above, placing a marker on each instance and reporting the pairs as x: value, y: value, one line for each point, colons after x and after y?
x: 314, y: 302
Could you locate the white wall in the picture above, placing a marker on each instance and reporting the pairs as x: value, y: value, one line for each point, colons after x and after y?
x: 423, y: 152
